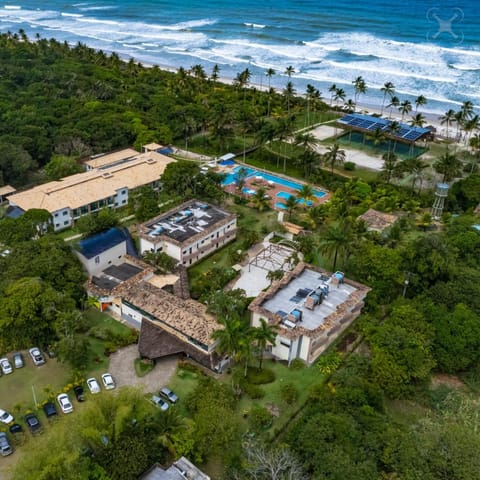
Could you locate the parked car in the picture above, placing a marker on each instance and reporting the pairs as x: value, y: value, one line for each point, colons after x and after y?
x: 79, y: 393
x: 159, y: 402
x: 168, y: 394
x: 15, y: 428
x: 33, y: 423
x: 65, y: 403
x: 50, y: 410
x: 18, y: 360
x: 108, y: 381
x: 6, y: 366
x: 93, y: 385
x: 5, y: 417
x: 37, y: 357
x: 5, y: 447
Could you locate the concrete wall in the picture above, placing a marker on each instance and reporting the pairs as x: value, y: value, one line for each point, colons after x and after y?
x: 121, y: 198
x: 113, y: 256
x: 62, y: 219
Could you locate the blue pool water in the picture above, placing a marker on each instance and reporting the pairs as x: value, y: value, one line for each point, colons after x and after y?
x: 281, y: 205
x: 248, y: 191
x: 232, y: 178
x: 287, y: 195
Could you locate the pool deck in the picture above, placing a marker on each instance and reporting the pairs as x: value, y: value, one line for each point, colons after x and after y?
x: 271, y: 189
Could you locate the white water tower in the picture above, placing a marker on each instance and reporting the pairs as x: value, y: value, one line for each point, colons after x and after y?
x: 441, y: 193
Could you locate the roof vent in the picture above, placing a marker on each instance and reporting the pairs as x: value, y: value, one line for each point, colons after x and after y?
x: 107, y: 175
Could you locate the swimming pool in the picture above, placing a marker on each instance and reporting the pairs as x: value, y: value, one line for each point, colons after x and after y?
x: 248, y: 191
x: 280, y: 205
x: 287, y: 195
x: 232, y: 178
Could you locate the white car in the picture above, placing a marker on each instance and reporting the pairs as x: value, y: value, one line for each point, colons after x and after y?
x: 5, y: 417
x: 169, y: 395
x: 65, y: 403
x: 159, y: 402
x: 6, y: 366
x: 93, y: 385
x: 108, y: 381
x: 37, y: 357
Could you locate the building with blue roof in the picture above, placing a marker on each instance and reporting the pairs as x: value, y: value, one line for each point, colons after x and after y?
x: 98, y: 252
x: 369, y: 124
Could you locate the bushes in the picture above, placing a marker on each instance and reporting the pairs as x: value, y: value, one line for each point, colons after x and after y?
x: 255, y: 376
x: 289, y: 393
x: 253, y: 391
x: 259, y: 418
x: 143, y: 366
x: 349, y: 166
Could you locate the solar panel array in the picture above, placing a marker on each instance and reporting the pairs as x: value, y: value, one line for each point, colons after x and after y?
x: 368, y: 122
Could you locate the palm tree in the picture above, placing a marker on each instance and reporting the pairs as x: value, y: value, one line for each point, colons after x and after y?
x: 467, y: 110
x: 169, y: 423
x: 334, y: 156
x: 448, y: 118
x: 337, y: 239
x: 350, y: 105
x: 332, y: 90
x: 470, y: 126
x: 360, y: 87
x: 392, y: 129
x: 260, y: 199
x: 415, y: 167
x: 389, y: 165
x: 269, y: 73
x: 198, y: 72
x: 316, y: 215
x: 394, y: 103
x: 420, y: 101
x: 306, y: 194
x: 289, y: 92
x: 387, y: 89
x: 290, y: 71
x: 291, y: 203
x: 264, y: 335
x: 405, y: 108
x: 418, y: 120
x: 459, y: 118
x: 449, y: 166
x: 377, y: 136
x: 310, y: 93
x: 307, y: 141
x: 229, y: 337
x: 339, y: 95
x: 215, y: 73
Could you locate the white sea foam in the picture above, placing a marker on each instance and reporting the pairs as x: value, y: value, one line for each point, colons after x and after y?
x: 12, y: 7
x: 254, y: 25
x: 74, y: 15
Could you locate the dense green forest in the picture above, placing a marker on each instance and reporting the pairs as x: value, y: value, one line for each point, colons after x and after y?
x: 379, y: 414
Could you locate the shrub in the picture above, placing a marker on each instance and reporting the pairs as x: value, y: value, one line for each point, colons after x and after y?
x: 297, y: 364
x: 143, y: 366
x: 256, y: 376
x: 259, y: 418
x: 189, y: 367
x: 349, y: 166
x: 253, y: 391
x: 289, y: 393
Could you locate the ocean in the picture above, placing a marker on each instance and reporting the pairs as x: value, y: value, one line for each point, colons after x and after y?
x: 428, y: 47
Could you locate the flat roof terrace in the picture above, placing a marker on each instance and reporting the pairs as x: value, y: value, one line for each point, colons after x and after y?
x: 294, y: 294
x: 185, y: 222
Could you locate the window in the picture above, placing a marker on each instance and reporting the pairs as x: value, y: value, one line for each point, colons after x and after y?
x: 124, y: 192
x: 285, y: 344
x: 97, y: 259
x: 124, y: 201
x: 65, y: 212
x: 57, y: 225
x: 56, y: 215
x: 66, y: 222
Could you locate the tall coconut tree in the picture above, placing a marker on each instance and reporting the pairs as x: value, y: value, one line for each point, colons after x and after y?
x: 338, y: 239
x: 414, y: 167
x: 333, y: 90
x: 334, y: 156
x: 394, y: 103
x: 405, y: 108
x: 309, y: 95
x: 260, y: 199
x: 467, y: 110
x: 420, y: 101
x: 418, y: 120
x: 360, y: 87
x: 215, y: 74
x: 387, y: 89
x: 390, y: 165
x: 291, y: 204
x: 449, y: 166
x: 289, y: 71
x: 264, y: 335
x: 269, y: 73
x: 448, y: 118
x: 288, y: 93
x: 339, y: 95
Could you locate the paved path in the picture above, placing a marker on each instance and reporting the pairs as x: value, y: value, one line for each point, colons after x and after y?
x: 123, y: 370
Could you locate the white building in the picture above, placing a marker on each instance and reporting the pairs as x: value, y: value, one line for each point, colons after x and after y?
x: 100, y: 251
x: 188, y: 232
x: 105, y: 186
x: 311, y: 308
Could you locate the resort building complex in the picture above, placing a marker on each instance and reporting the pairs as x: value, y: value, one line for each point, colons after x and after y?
x: 310, y: 307
x: 188, y: 232
x: 106, y: 184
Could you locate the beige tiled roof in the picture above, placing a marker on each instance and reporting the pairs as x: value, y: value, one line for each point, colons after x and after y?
x: 187, y: 317
x: 376, y: 220
x: 152, y: 146
x: 84, y: 188
x: 109, y: 158
x: 6, y: 189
